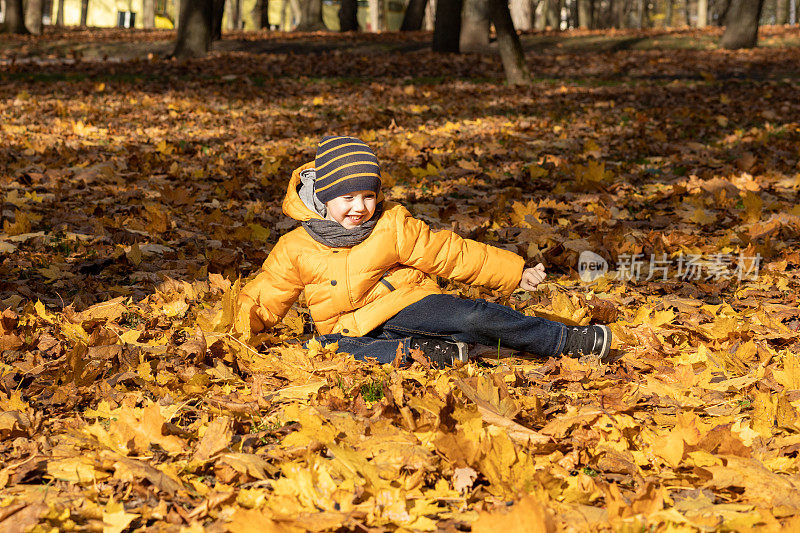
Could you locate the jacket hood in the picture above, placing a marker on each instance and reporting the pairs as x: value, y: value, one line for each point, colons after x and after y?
x: 293, y: 204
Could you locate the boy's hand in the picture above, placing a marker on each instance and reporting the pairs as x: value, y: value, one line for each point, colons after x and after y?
x: 531, y: 277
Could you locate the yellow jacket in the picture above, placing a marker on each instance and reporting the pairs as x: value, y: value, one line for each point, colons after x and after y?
x: 344, y: 291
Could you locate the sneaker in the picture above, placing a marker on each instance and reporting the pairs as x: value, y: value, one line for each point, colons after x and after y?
x: 442, y: 353
x: 587, y: 340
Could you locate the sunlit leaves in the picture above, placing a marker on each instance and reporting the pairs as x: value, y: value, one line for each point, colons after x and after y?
x: 133, y: 211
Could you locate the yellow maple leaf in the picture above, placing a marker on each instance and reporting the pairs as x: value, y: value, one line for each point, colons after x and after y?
x: 753, y: 205
x: 593, y: 174
x: 115, y: 519
x: 528, y: 515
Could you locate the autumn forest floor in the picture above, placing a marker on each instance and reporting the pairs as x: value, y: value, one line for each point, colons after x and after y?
x: 136, y: 190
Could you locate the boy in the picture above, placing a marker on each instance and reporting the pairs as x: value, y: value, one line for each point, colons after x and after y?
x: 364, y: 266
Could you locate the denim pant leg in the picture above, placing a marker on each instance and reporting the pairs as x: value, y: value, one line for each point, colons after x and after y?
x: 384, y: 350
x: 476, y: 321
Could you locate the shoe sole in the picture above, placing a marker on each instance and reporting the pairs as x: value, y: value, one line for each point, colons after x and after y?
x: 606, y: 346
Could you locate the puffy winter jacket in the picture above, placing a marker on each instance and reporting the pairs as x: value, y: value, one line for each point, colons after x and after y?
x: 353, y: 290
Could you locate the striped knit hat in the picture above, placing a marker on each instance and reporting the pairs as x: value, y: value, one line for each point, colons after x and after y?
x: 344, y: 165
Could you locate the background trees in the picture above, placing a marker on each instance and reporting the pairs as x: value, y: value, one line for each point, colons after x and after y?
x: 195, y: 29
x: 460, y: 25
x: 15, y: 17
x: 741, y: 30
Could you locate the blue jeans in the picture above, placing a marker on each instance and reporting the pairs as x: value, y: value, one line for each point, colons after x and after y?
x: 446, y: 317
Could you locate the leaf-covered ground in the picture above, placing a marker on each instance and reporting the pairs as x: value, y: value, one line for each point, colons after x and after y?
x: 135, y: 193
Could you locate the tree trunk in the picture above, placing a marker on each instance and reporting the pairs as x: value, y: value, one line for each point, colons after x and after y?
x: 217, y: 13
x: 195, y: 30
x: 282, y: 25
x: 642, y: 14
x: 149, y: 14
x: 522, y: 14
x: 782, y: 12
x: 719, y: 12
x: 702, y: 13
x: 84, y: 12
x: 348, y: 15
x: 15, y: 18
x: 621, y: 15
x: 581, y: 7
x: 414, y: 15
x: 687, y: 16
x: 668, y: 14
x: 741, y: 30
x: 293, y: 7
x: 474, y: 26
x: 540, y: 15
x: 572, y: 13
x: 553, y: 13
x: 33, y: 16
x: 234, y: 8
x: 585, y: 13
x: 263, y: 14
x: 375, y: 15
x: 508, y: 42
x: 447, y: 28
x: 60, y: 15
x: 429, y: 22
x: 311, y: 16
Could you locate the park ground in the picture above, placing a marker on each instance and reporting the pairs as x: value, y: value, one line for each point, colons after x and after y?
x: 138, y: 193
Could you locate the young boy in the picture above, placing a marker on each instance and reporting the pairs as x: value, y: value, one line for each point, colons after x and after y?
x: 364, y: 264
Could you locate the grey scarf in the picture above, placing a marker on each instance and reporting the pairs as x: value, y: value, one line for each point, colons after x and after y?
x: 329, y: 232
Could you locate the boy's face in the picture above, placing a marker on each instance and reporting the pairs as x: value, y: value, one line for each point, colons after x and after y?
x: 353, y: 209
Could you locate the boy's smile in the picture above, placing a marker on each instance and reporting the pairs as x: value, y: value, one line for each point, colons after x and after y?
x: 352, y: 209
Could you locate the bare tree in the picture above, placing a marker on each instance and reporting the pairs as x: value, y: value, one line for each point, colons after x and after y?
x: 586, y: 13
x: 474, y: 26
x: 741, y: 29
x: 719, y: 11
x: 217, y: 13
x: 84, y: 12
x: 60, y: 15
x: 261, y: 13
x: 782, y: 12
x: 702, y: 13
x: 511, y: 53
x: 195, y: 29
x: 522, y: 13
x: 539, y: 15
x: 375, y: 8
x: 15, y: 18
x: 33, y: 16
x: 414, y: 15
x: 149, y: 14
x: 348, y: 15
x: 447, y: 28
x: 234, y: 10
x: 311, y: 16
x: 553, y: 13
